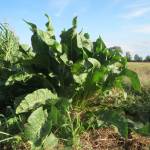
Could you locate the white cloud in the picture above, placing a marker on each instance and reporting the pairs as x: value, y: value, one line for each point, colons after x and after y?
x: 138, y: 8
x: 142, y: 44
x: 126, y: 46
x: 138, y: 4
x: 133, y: 45
x: 137, y: 12
x: 59, y: 5
x: 140, y: 47
x: 80, y: 11
x: 142, y: 29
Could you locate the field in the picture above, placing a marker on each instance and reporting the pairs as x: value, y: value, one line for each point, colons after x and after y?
x: 143, y: 71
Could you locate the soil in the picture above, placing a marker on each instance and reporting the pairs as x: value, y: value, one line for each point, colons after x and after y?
x: 100, y: 139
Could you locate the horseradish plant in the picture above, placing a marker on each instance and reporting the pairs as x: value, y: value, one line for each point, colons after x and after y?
x: 54, y: 77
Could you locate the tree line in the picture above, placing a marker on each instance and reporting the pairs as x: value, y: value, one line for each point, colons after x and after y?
x: 137, y: 58
x: 131, y: 58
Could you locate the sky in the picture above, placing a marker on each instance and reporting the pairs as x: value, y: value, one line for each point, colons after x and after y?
x: 124, y: 23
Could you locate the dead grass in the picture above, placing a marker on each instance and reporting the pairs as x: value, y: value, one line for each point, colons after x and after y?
x: 108, y: 139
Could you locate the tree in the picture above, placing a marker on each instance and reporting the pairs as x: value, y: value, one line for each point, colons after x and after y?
x: 128, y: 56
x: 147, y: 59
x: 116, y: 48
x: 137, y: 58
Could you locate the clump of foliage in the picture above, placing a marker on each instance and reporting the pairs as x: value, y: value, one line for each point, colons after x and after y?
x: 137, y: 58
x: 55, y: 89
x: 147, y: 59
x: 129, y: 57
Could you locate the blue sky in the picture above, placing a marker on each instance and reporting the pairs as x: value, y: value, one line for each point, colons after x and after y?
x: 124, y: 23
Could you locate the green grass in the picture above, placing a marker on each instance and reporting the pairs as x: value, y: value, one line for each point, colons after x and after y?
x: 143, y: 71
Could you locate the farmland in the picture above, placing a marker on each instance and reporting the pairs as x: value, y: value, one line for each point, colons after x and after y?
x: 70, y: 94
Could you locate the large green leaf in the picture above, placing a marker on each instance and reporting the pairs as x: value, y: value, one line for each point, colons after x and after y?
x: 98, y: 75
x: 115, y: 67
x: 27, y: 51
x: 50, y: 142
x: 38, y: 130
x: 19, y: 77
x: 99, y: 45
x: 94, y: 62
x: 74, y: 22
x: 35, y: 100
x: 33, y: 26
x: 133, y: 77
x: 70, y: 45
x: 41, y: 39
x: 78, y: 67
x: 49, y: 26
x: 80, y: 79
x: 39, y: 46
x: 115, y: 118
x: 35, y: 122
x: 46, y: 37
x: 145, y: 130
x: 84, y: 42
x: 54, y: 115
